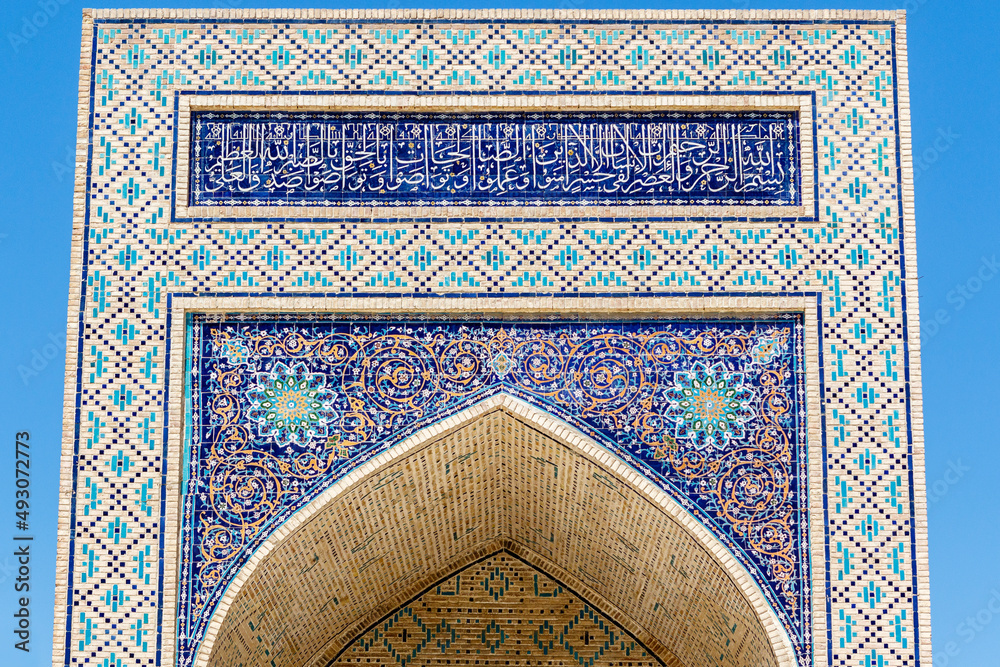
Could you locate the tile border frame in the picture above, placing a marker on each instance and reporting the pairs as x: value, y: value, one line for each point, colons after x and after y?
x: 506, y: 15
x: 911, y: 349
x: 802, y: 102
x: 73, y: 374
x: 597, y: 307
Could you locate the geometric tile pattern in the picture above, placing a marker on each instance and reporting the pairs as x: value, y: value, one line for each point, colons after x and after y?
x: 709, y: 411
x: 511, y: 614
x: 857, y: 254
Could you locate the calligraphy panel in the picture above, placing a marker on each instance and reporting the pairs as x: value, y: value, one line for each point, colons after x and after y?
x: 496, y: 159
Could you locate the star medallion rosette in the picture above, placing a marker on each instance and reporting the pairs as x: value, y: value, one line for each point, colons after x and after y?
x: 292, y: 405
x: 710, y: 406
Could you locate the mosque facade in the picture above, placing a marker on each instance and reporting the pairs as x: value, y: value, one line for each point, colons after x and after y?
x: 493, y: 337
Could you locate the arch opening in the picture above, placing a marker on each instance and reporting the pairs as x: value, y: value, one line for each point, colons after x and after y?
x: 500, y: 477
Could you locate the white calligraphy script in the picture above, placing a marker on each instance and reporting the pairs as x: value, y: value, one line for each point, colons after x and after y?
x: 489, y: 158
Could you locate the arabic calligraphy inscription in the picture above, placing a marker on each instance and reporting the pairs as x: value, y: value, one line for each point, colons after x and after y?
x: 335, y: 159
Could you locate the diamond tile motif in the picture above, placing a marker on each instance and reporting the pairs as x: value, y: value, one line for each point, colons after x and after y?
x: 518, y: 626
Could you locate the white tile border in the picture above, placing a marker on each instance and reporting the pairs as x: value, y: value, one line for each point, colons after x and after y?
x: 915, y: 422
x: 709, y: 15
x: 585, y: 307
x: 67, y: 465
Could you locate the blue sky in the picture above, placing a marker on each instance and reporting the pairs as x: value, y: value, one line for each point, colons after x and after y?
x: 954, y: 60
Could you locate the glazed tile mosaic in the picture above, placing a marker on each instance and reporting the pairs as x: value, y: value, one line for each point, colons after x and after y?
x: 266, y: 308
x: 283, y: 408
x: 521, y: 159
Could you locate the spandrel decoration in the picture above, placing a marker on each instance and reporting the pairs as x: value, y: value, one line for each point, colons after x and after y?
x: 509, y: 159
x: 712, y: 412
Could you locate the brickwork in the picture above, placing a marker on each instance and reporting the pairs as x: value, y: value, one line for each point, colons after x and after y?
x: 549, y: 623
x: 841, y: 255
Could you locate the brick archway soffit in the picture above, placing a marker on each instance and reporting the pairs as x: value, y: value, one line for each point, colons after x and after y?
x: 499, y: 475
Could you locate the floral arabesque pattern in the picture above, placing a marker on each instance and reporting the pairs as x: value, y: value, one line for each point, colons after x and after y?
x: 708, y: 411
x: 291, y: 405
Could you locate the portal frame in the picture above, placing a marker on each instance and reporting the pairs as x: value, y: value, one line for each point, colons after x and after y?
x: 665, y: 306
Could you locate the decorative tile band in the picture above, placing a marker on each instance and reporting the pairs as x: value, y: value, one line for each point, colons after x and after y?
x: 712, y: 412
x: 522, y: 159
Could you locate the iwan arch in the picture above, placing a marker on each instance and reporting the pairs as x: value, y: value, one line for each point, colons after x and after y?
x: 493, y: 337
x: 507, y: 479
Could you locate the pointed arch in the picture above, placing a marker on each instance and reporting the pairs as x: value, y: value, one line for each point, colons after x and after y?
x: 501, y: 474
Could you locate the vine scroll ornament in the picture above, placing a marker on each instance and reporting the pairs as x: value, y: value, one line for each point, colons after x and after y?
x: 710, y: 411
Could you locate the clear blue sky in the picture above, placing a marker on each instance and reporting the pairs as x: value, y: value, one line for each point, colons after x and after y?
x: 954, y: 65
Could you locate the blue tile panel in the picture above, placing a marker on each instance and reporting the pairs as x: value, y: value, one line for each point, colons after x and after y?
x: 711, y: 412
x: 518, y: 159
